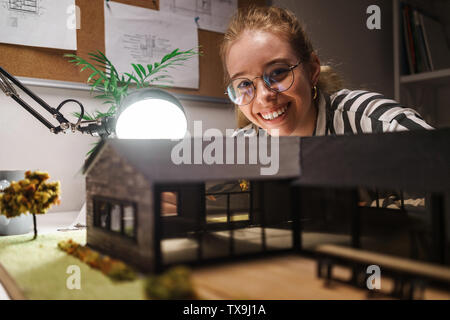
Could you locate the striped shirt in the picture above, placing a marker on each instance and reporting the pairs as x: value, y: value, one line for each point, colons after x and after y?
x: 353, y: 112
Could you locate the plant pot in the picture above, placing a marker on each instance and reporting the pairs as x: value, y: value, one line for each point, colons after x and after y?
x: 17, y: 225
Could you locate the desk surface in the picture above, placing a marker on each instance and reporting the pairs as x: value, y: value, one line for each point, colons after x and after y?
x: 288, y: 277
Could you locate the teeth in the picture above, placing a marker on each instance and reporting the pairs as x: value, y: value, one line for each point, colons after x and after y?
x: 275, y: 114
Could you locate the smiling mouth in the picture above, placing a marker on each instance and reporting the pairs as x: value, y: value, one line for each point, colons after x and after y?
x: 269, y: 116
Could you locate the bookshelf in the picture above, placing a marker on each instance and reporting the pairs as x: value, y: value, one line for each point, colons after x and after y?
x: 438, y: 77
x: 426, y: 90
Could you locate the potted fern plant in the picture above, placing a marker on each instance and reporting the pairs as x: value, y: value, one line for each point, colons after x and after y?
x: 113, y: 87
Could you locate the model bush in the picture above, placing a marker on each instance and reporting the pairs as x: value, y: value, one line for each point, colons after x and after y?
x: 175, y: 283
x: 114, y: 269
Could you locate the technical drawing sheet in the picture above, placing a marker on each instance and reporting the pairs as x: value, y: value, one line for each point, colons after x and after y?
x: 39, y: 23
x: 212, y: 15
x: 145, y: 36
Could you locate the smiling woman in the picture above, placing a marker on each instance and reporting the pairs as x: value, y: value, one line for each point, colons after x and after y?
x: 276, y: 81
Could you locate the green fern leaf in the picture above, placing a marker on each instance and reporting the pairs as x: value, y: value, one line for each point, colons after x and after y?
x: 138, y: 72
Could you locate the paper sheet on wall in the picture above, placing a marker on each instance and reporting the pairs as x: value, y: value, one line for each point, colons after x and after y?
x: 212, y: 15
x: 43, y: 23
x: 139, y: 35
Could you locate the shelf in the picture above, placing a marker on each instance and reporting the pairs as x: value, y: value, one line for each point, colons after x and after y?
x: 439, y: 77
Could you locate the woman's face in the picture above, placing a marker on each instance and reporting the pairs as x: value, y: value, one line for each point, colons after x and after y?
x: 248, y: 57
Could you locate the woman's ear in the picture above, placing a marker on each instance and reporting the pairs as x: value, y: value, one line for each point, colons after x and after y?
x: 314, y: 69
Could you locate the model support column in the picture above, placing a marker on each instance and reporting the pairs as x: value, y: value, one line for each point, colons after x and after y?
x: 437, y: 227
x: 296, y: 216
x: 355, y: 219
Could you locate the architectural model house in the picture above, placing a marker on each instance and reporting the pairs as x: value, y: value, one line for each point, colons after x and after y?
x: 228, y: 209
x: 218, y: 210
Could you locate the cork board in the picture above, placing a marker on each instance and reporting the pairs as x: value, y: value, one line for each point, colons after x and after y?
x: 149, y: 4
x: 44, y: 63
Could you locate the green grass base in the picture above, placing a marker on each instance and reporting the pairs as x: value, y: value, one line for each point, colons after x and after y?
x: 40, y: 270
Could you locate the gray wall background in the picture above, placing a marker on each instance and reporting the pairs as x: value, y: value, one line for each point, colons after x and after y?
x: 337, y: 28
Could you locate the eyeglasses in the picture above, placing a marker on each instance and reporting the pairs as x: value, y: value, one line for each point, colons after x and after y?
x: 277, y: 77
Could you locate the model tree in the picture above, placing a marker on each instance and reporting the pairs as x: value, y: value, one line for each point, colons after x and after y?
x: 31, y: 195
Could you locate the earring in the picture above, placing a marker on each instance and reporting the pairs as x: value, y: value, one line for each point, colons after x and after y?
x: 315, y: 92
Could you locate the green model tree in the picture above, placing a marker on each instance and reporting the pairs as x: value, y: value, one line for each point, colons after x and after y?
x: 31, y: 195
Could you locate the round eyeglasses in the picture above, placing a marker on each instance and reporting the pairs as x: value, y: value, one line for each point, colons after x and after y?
x: 277, y: 77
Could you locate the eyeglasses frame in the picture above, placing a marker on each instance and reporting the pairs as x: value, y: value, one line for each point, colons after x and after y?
x: 291, y: 68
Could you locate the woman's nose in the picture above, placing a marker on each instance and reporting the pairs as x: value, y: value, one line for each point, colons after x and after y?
x: 263, y: 93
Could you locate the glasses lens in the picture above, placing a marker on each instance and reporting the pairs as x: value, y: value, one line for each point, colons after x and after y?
x: 278, y: 77
x: 241, y: 91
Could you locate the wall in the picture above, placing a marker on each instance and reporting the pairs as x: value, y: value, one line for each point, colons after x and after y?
x: 213, y: 115
x: 27, y: 144
x: 337, y: 28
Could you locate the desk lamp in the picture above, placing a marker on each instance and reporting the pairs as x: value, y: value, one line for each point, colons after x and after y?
x: 144, y: 114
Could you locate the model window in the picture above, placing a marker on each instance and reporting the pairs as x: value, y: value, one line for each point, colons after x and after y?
x: 240, y: 206
x: 115, y: 218
x: 102, y: 214
x: 128, y: 221
x: 115, y: 215
x: 169, y: 203
x: 227, y: 201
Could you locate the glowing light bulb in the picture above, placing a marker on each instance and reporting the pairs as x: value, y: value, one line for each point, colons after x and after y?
x: 151, y: 118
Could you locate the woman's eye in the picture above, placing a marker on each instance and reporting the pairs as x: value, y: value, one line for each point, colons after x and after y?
x: 278, y: 73
x: 244, y: 84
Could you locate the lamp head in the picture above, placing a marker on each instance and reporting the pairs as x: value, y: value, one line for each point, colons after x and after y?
x: 151, y: 114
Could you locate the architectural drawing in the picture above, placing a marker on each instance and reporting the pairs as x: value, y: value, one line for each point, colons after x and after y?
x: 209, y: 14
x: 25, y: 6
x: 139, y: 35
x: 39, y: 23
x: 142, y: 47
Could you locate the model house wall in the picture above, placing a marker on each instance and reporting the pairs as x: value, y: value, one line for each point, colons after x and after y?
x: 111, y: 177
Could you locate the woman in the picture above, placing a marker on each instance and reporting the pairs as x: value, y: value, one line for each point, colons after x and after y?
x: 275, y: 79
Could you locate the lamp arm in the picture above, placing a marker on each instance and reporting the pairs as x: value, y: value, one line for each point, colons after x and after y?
x: 9, y: 90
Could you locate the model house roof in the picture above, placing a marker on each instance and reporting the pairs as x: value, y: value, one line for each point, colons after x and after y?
x: 410, y: 160
x: 417, y: 160
x: 159, y: 160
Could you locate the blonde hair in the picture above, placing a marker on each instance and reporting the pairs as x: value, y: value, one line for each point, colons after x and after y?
x: 285, y: 24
